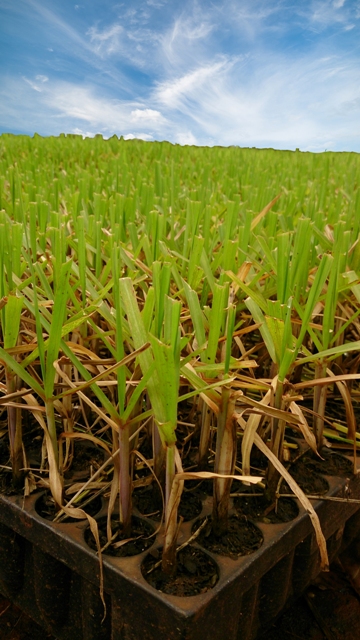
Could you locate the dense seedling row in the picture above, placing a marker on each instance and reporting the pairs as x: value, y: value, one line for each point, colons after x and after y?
x: 175, y: 305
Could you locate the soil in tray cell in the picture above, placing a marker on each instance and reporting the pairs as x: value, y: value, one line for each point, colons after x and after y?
x: 257, y: 508
x: 330, y: 463
x: 308, y: 480
x: 86, y: 457
x: 309, y: 471
x: 46, y: 508
x: 241, y: 538
x: 195, y: 573
x: 6, y: 486
x: 141, y: 537
x: 148, y: 501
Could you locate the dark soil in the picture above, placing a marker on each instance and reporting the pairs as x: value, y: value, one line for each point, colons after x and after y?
x: 190, y: 506
x: 6, y: 486
x: 241, y: 538
x: 141, y: 530
x: 33, y: 451
x: 196, y: 573
x: 202, y: 488
x: 308, y: 471
x: 32, y: 441
x: 45, y: 507
x: 4, y: 451
x: 141, y: 470
x: 308, y: 480
x: 258, y: 461
x: 86, y: 455
x: 148, y: 501
x: 292, y: 434
x: 258, y: 509
x: 331, y: 464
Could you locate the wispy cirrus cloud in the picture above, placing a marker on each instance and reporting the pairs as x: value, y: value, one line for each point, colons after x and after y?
x: 325, y: 14
x: 60, y: 28
x: 182, y: 92
x: 186, y: 41
x: 303, y: 103
x: 156, y: 3
x: 72, y: 52
x: 39, y: 80
x: 108, y: 41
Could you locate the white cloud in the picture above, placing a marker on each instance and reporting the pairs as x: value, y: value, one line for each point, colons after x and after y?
x: 35, y: 85
x: 175, y: 93
x: 104, y: 114
x: 84, y: 134
x: 82, y: 103
x: 318, y: 147
x: 59, y: 26
x: 282, y: 103
x: 199, y: 73
x: 146, y: 116
x: 67, y: 39
x: 186, y: 137
x: 348, y: 106
x: 155, y: 3
x: 139, y: 136
x: 193, y: 30
x: 69, y: 107
x: 108, y: 41
x: 327, y: 14
x: 310, y: 102
x: 196, y: 32
x: 32, y: 84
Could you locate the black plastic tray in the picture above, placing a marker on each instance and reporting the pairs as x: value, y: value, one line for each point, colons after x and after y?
x: 49, y: 572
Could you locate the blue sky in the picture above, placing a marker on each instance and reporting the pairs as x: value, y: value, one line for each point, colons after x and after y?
x: 263, y: 73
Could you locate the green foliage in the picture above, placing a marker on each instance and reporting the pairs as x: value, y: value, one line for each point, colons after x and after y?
x: 203, y: 262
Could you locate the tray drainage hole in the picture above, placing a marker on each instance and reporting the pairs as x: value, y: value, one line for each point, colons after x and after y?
x: 241, y: 538
x: 196, y: 572
x: 140, y: 539
x: 45, y: 507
